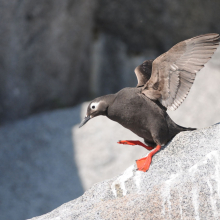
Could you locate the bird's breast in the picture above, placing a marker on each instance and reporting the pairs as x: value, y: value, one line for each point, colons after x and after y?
x: 130, y: 112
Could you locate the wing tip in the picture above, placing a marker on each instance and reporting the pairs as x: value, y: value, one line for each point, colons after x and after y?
x: 210, y: 37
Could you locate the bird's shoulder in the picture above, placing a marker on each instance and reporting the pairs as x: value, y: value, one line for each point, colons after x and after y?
x: 128, y: 93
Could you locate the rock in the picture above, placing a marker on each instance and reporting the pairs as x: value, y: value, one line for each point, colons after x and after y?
x: 45, y: 55
x: 156, y: 24
x: 182, y: 183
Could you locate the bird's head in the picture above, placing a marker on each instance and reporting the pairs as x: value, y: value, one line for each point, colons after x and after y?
x: 96, y: 107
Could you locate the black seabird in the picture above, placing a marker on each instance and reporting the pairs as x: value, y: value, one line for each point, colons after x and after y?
x: 163, y: 84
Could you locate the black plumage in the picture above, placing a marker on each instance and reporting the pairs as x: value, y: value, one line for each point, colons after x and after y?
x: 162, y: 83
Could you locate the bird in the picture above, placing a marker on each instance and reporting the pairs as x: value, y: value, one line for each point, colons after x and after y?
x: 162, y: 83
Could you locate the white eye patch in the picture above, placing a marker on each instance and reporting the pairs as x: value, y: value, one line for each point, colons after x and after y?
x: 94, y: 105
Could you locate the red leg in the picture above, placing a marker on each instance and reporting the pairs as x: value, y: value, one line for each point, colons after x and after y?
x: 136, y: 143
x: 143, y: 164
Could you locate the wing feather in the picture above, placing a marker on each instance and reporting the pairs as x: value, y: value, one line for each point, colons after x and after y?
x: 173, y: 72
x: 143, y: 72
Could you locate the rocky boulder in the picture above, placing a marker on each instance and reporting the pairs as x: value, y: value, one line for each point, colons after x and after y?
x: 182, y: 183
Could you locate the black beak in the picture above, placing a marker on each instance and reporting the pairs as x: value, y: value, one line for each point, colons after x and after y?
x: 84, y: 121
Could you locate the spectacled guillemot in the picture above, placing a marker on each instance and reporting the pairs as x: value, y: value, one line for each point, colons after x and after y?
x: 163, y: 84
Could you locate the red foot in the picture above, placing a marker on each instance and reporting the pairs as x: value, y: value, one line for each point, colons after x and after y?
x: 143, y: 164
x: 136, y: 143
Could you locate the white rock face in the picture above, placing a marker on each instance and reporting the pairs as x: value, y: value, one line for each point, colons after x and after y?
x: 183, y: 182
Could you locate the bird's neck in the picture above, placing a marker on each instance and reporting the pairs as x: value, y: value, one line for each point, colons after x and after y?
x: 109, y: 99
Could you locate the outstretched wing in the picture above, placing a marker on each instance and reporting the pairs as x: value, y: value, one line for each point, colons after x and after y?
x: 173, y: 72
x: 143, y: 72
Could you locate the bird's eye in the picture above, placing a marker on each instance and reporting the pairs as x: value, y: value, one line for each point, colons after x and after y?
x: 93, y: 106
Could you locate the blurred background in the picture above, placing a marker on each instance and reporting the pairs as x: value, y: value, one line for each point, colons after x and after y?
x: 55, y: 55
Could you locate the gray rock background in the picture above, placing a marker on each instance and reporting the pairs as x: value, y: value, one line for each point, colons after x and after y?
x: 45, y: 55
x: 182, y: 183
x: 156, y: 24
x: 55, y: 54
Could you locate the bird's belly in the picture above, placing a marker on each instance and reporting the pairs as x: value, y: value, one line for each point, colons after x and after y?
x: 136, y: 123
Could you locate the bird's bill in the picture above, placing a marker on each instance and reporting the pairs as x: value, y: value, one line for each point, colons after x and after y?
x: 84, y: 121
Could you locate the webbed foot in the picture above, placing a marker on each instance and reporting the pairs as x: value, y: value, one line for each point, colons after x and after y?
x: 143, y: 164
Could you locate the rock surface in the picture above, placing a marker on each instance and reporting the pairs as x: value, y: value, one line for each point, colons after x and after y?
x: 45, y: 55
x: 156, y: 24
x: 183, y: 183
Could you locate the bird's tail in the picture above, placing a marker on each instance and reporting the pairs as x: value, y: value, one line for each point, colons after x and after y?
x: 186, y: 129
x: 174, y: 128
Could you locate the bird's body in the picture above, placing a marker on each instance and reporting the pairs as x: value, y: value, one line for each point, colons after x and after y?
x: 163, y: 84
x: 144, y: 117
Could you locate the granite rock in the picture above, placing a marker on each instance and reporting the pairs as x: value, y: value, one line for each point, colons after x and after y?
x: 183, y: 182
